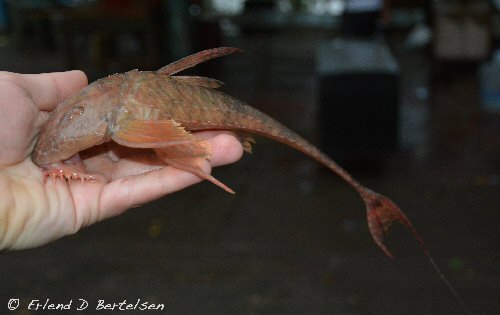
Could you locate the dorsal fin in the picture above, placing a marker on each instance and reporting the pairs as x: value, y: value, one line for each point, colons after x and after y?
x: 194, y: 59
x: 199, y: 81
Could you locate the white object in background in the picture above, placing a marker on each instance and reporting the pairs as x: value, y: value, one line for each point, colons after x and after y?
x: 361, y: 6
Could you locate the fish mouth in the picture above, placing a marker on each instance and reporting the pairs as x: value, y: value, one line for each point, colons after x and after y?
x: 70, y: 169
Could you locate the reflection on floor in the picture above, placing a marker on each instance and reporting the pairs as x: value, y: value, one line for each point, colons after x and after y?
x: 294, y: 238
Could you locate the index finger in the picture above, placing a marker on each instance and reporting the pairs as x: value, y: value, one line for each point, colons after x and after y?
x: 48, y: 89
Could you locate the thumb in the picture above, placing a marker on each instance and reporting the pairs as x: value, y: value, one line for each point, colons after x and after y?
x: 48, y: 89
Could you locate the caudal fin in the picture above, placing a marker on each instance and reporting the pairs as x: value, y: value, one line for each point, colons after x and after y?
x: 381, y: 212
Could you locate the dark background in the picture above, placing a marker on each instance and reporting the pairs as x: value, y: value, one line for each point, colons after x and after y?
x: 294, y: 239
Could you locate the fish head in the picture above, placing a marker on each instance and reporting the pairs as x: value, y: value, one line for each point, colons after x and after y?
x: 79, y: 122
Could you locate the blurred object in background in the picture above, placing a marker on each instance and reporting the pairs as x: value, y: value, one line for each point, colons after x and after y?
x: 3, y: 24
x: 3, y: 16
x: 314, y: 7
x: 490, y: 71
x: 361, y: 17
x: 30, y: 22
x: 78, y: 3
x: 257, y: 5
x: 192, y: 26
x: 495, y: 24
x: 404, y: 14
x: 358, y: 102
x: 489, y: 80
x: 179, y: 27
x: 227, y: 7
x: 462, y: 30
x: 419, y: 36
x: 98, y: 37
x: 325, y: 7
x: 261, y: 16
x: 110, y: 36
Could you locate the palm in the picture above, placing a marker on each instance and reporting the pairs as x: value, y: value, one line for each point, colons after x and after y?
x: 42, y: 210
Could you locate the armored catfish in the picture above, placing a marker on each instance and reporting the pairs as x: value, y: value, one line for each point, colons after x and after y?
x: 158, y: 110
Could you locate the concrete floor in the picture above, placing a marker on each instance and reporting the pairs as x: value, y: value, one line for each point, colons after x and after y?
x: 294, y: 239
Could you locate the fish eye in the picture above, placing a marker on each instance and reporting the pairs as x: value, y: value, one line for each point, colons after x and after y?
x: 78, y: 110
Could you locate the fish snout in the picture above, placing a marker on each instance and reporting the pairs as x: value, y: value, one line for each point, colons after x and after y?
x: 47, y: 148
x: 41, y: 154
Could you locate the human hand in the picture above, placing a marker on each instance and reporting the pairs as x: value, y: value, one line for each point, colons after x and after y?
x: 35, y: 210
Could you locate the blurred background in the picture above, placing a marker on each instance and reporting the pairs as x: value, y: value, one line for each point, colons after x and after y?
x: 404, y: 93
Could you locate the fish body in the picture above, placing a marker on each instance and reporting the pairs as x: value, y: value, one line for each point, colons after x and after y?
x: 103, y: 108
x: 158, y: 110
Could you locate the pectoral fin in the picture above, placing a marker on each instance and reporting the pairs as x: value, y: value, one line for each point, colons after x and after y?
x: 198, y: 149
x: 151, y: 133
x: 179, y: 157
